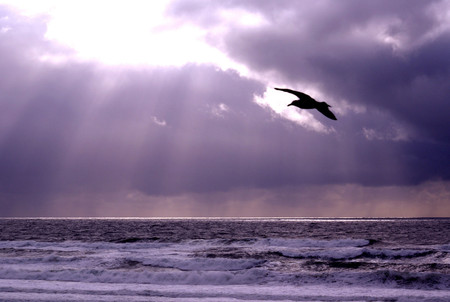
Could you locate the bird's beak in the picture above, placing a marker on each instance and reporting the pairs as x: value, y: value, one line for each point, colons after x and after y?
x: 289, y: 104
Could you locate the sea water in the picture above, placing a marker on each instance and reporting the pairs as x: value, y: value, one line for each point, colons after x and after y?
x: 265, y: 259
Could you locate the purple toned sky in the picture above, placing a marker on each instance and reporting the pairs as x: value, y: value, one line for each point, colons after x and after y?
x: 167, y: 108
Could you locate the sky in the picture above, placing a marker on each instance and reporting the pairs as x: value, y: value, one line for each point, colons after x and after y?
x: 168, y: 108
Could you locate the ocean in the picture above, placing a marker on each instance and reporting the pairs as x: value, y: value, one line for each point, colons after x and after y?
x: 233, y: 259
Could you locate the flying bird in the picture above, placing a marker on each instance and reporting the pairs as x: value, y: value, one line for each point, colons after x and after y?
x: 306, y: 102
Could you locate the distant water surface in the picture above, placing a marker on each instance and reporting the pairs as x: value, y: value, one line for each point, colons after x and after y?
x: 272, y: 259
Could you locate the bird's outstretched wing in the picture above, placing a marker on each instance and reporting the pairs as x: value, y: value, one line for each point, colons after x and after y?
x: 325, y: 111
x: 299, y: 94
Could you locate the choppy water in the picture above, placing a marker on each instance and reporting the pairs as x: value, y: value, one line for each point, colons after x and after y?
x: 225, y: 259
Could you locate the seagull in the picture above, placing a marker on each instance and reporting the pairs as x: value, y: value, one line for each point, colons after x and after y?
x: 306, y: 102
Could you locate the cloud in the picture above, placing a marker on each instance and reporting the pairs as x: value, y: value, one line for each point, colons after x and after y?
x: 378, y: 55
x: 429, y: 199
x: 159, y: 122
x: 148, y: 139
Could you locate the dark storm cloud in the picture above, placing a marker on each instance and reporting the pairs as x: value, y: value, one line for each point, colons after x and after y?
x: 73, y: 127
x: 335, y: 45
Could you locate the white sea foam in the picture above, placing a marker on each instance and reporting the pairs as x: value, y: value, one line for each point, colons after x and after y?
x: 335, y: 253
x: 36, y: 290
x: 203, y: 264
x: 251, y: 276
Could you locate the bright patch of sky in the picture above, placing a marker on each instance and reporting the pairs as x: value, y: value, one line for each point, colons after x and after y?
x: 277, y: 101
x: 140, y: 33
x: 128, y: 32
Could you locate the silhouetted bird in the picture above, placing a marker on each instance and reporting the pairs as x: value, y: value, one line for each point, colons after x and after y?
x: 307, y: 102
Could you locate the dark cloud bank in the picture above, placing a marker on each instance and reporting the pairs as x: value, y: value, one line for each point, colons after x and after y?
x: 83, y: 129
